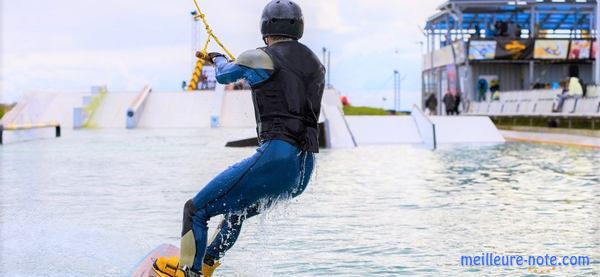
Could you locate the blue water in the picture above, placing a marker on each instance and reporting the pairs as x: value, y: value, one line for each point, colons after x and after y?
x: 94, y: 202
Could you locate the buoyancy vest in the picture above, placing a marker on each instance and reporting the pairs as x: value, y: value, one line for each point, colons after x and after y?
x: 288, y: 104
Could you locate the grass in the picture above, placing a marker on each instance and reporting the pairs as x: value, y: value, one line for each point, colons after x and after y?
x: 4, y: 109
x: 351, y: 110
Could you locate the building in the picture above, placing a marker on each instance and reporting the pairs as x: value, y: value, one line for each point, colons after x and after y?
x: 476, y: 46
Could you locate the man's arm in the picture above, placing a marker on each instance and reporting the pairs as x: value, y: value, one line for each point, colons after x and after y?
x: 255, y: 66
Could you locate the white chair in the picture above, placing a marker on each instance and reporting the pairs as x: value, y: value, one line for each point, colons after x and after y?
x: 588, y: 106
x: 544, y: 106
x: 510, y: 108
x: 526, y: 107
x: 568, y: 106
x: 495, y: 108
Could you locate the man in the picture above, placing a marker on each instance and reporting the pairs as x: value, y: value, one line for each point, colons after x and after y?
x: 287, y: 81
x: 457, y: 101
x: 574, y: 88
x: 449, y: 102
x: 431, y: 104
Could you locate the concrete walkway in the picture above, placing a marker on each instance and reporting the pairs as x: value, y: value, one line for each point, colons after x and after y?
x: 548, y: 138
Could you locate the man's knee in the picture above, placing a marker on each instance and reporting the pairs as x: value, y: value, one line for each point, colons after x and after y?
x: 189, y: 209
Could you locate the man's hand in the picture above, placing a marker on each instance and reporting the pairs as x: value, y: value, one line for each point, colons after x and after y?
x: 210, y: 57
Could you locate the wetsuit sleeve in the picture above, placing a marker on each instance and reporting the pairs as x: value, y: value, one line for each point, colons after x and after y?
x: 255, y: 66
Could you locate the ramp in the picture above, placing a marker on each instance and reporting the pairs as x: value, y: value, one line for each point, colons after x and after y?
x: 425, y: 127
x: 177, y: 110
x: 41, y: 108
x: 466, y: 129
x: 238, y: 109
x: 217, y: 106
x: 337, y: 130
x: 112, y: 111
x: 37, y: 107
x: 372, y: 130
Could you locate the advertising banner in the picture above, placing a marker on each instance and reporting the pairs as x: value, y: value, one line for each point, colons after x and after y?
x: 482, y: 49
x: 511, y: 49
x: 594, y: 49
x: 580, y: 49
x: 452, y: 78
x: 446, y: 55
x: 551, y: 49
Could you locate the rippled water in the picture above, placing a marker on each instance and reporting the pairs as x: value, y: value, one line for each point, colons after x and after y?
x: 92, y: 204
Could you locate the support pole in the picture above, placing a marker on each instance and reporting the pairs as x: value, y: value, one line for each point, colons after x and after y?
x: 57, y: 131
x: 532, y: 17
x: 1, y: 132
x: 531, y: 73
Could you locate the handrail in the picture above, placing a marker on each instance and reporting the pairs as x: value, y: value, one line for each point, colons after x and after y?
x: 139, y: 99
x: 29, y: 126
x: 132, y: 116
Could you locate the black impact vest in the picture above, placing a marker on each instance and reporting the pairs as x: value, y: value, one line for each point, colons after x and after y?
x: 288, y: 104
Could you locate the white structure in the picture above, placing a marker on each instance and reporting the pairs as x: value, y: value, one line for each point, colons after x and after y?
x: 234, y: 109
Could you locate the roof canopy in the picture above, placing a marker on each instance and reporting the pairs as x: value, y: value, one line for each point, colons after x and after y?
x: 548, y: 14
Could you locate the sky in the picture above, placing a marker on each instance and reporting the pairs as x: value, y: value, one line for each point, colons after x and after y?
x: 70, y: 45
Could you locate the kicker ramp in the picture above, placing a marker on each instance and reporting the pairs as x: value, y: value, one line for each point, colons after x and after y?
x: 38, y: 107
x: 373, y: 130
x: 465, y: 129
x: 238, y: 110
x: 41, y: 108
x: 337, y: 130
x: 111, y: 112
x: 177, y: 110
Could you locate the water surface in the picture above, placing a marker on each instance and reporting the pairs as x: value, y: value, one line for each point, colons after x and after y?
x: 94, y: 202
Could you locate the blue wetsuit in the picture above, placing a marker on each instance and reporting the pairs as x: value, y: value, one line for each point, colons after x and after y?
x: 278, y: 170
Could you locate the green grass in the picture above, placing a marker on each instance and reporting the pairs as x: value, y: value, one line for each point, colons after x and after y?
x: 351, y: 110
x: 3, y: 110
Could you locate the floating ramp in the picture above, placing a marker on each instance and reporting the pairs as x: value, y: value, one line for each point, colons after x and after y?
x: 176, y: 110
x: 466, y: 129
x: 112, y: 111
x: 372, y: 130
x: 237, y: 110
x: 38, y: 107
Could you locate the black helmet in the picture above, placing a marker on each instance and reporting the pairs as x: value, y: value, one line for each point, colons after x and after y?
x: 282, y: 18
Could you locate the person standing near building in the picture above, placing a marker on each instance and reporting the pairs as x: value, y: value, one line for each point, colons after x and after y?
x: 482, y: 88
x: 457, y: 101
x: 287, y: 81
x: 449, y: 102
x: 431, y: 104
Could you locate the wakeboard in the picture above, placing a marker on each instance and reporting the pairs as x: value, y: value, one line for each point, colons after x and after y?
x: 144, y: 267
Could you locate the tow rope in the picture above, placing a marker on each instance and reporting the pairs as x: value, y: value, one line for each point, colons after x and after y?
x: 193, y: 84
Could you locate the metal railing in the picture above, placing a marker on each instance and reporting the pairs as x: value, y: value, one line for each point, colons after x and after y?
x: 137, y: 108
x: 20, y: 127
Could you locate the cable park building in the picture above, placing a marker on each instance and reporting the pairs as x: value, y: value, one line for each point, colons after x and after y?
x: 501, y: 50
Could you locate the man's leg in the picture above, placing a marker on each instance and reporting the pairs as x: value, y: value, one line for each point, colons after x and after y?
x: 561, y: 101
x: 231, y: 226
x: 228, y: 233
x: 281, y: 170
x: 212, y: 200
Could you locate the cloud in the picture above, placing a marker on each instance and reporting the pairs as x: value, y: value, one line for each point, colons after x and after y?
x: 72, y: 44
x: 327, y: 16
x: 125, y: 69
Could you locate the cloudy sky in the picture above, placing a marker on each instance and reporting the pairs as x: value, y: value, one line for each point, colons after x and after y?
x: 69, y: 45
